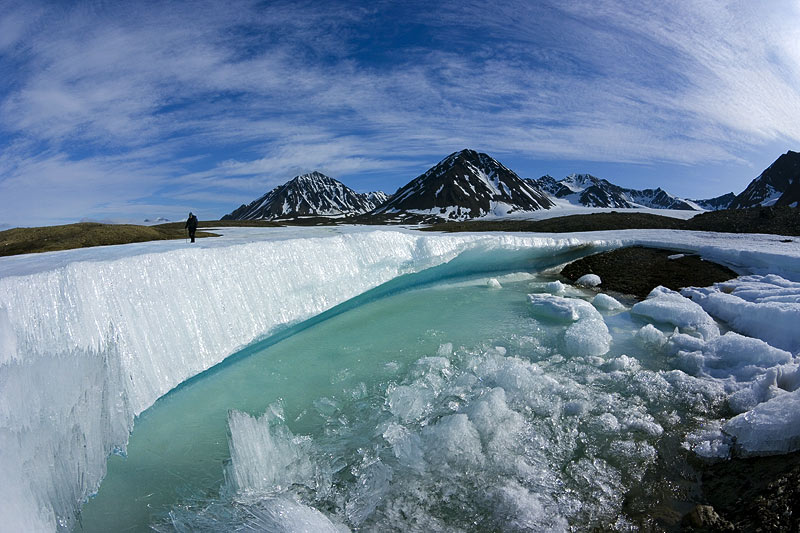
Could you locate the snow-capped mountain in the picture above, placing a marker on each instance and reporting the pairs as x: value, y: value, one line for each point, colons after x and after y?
x: 313, y: 194
x: 779, y: 184
x: 377, y: 198
x: 466, y: 184
x: 590, y: 191
x: 715, y: 204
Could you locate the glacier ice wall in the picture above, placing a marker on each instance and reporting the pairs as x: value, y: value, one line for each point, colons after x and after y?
x: 89, y: 345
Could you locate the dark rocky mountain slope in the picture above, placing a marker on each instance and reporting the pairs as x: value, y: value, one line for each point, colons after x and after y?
x: 466, y: 184
x: 779, y: 184
x: 313, y: 194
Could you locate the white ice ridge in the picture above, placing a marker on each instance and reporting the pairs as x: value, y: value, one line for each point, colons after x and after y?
x: 91, y: 338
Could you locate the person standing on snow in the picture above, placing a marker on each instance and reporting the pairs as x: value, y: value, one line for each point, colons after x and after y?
x: 191, y: 225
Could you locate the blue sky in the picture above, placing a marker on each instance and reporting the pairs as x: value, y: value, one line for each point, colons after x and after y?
x: 121, y: 111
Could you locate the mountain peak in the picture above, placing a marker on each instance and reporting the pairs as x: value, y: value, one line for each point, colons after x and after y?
x: 314, y: 175
x: 311, y: 194
x: 590, y: 191
x: 467, y: 184
x: 778, y: 184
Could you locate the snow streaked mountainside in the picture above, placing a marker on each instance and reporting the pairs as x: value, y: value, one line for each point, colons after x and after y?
x: 777, y: 185
x: 313, y: 194
x: 589, y: 191
x: 467, y: 184
x: 377, y: 198
x: 715, y: 204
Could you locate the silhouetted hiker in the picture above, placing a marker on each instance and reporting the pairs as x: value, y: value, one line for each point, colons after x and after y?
x: 191, y: 225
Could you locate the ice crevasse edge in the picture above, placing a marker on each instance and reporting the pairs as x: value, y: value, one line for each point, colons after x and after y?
x: 87, y: 346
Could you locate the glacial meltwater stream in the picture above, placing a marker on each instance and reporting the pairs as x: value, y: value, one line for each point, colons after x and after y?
x: 451, y: 406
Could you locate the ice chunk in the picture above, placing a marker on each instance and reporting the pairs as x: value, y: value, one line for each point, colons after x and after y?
x: 767, y: 307
x: 407, y: 446
x: 607, y: 303
x: 453, y: 440
x: 607, y: 423
x: 498, y: 425
x: 771, y: 427
x: 265, y: 457
x: 762, y: 390
x: 728, y: 356
x: 286, y: 515
x: 561, y: 308
x: 649, y: 335
x: 527, y: 511
x: 623, y: 363
x: 410, y: 402
x: 743, y: 357
x: 664, y: 305
x: 555, y: 287
x: 492, y: 283
x: 709, y: 441
x: 588, y: 280
x: 587, y: 337
x: 372, y: 484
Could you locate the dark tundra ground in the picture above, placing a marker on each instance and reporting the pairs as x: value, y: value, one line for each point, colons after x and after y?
x: 637, y: 270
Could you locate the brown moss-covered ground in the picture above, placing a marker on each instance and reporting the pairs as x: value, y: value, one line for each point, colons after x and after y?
x: 566, y: 224
x: 637, y: 270
x: 773, y: 220
x: 85, y: 234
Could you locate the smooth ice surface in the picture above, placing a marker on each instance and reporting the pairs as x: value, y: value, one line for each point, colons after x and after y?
x: 90, y: 338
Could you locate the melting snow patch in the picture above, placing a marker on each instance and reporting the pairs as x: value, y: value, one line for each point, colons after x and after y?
x: 588, y: 280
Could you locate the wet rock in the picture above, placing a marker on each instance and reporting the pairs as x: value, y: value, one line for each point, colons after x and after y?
x: 705, y: 518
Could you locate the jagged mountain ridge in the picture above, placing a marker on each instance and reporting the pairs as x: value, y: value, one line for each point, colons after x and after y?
x: 466, y: 184
x: 590, y: 191
x: 779, y: 184
x: 312, y: 194
x: 715, y: 204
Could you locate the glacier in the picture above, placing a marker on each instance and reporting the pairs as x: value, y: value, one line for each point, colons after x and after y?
x: 91, y: 338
